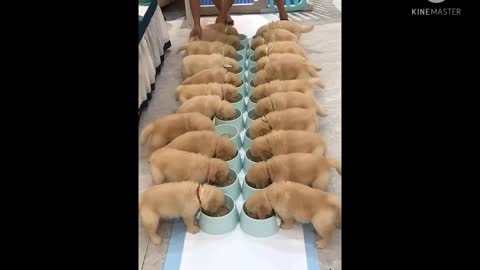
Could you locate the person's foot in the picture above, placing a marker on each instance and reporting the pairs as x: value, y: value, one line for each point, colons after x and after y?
x: 229, y: 20
x: 226, y: 20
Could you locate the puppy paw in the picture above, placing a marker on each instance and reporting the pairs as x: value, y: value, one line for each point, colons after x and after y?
x: 321, y: 244
x: 193, y: 229
x: 285, y: 226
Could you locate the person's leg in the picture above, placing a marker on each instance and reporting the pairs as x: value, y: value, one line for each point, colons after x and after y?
x: 281, y: 10
x: 224, y: 16
x: 218, y: 5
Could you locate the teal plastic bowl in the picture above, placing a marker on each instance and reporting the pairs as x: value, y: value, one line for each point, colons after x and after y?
x: 234, y: 189
x: 247, y: 141
x: 242, y: 89
x: 250, y: 51
x: 235, y: 163
x: 241, y: 73
x: 236, y: 122
x: 220, y: 225
x: 232, y: 132
x: 250, y: 86
x: 243, y: 40
x: 251, y: 73
x: 250, y: 104
x: 241, y: 59
x: 242, y: 50
x: 258, y: 227
x: 248, y: 162
x: 240, y: 103
x: 247, y: 190
x: 252, y: 62
x: 251, y: 116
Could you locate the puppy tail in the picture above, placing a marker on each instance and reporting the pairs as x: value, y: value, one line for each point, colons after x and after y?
x: 335, y: 164
x: 320, y: 110
x: 307, y: 28
x: 182, y: 48
x: 317, y: 81
x: 146, y: 132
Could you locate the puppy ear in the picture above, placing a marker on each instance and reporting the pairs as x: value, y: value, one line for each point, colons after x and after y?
x: 263, y: 211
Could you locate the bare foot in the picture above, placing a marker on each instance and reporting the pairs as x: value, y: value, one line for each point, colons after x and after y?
x: 229, y: 20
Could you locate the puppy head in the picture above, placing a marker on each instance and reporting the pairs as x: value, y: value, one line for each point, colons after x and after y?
x: 262, y: 29
x: 231, y: 64
x: 218, y: 171
x: 260, y: 149
x: 257, y: 41
x: 233, y: 79
x: 260, y: 77
x: 260, y: 51
x: 259, y: 128
x: 257, y: 93
x: 229, y: 51
x: 258, y: 206
x: 264, y: 106
x: 230, y: 92
x: 225, y: 110
x: 212, y: 198
x: 234, y: 41
x: 225, y: 150
x: 258, y: 175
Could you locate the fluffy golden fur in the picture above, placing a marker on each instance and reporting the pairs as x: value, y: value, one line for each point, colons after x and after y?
x: 302, y: 85
x: 212, y: 145
x: 279, y: 142
x: 272, y: 36
x: 223, y: 28
x: 166, y: 128
x: 208, y: 47
x: 279, y: 47
x: 290, y: 26
x: 285, y: 100
x: 176, y: 200
x: 295, y: 202
x: 216, y: 74
x: 289, y: 119
x: 311, y: 169
x: 176, y: 166
x: 209, y: 106
x: 212, y: 35
x: 283, y: 59
x: 285, y: 68
x: 225, y: 91
x: 193, y: 64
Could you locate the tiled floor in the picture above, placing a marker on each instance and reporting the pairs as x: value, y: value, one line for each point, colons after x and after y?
x: 324, y: 48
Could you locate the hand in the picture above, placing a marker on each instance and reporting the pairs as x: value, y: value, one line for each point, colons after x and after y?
x: 196, y: 32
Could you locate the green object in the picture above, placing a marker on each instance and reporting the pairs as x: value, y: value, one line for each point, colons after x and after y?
x: 144, y: 2
x: 242, y: 50
x: 241, y: 73
x: 247, y: 162
x: 234, y: 189
x: 235, y: 163
x: 240, y: 104
x: 242, y: 88
x: 232, y: 131
x: 237, y: 122
x: 258, y: 227
x: 250, y: 104
x: 243, y: 39
x: 241, y: 60
x: 220, y: 225
x: 251, y: 72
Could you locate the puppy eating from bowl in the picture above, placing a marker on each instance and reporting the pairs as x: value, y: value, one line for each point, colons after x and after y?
x: 173, y: 200
x: 296, y: 202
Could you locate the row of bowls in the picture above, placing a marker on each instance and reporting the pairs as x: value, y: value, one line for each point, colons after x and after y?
x: 228, y: 222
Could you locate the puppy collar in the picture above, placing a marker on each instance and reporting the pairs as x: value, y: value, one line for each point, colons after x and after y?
x: 198, y: 195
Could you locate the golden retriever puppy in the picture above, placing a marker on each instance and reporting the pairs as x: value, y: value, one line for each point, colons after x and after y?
x: 223, y: 28
x: 177, y: 200
x: 290, y: 26
x: 225, y: 91
x: 176, y: 166
x: 207, y: 47
x: 303, y: 86
x: 212, y: 35
x: 311, y: 169
x: 282, y: 59
x: 216, y: 74
x: 285, y: 69
x: 166, y: 128
x: 280, y: 142
x: 272, y: 36
x: 289, y: 119
x: 295, y: 202
x: 279, y: 47
x: 209, y: 106
x: 193, y: 64
x: 285, y: 100
x: 212, y: 145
